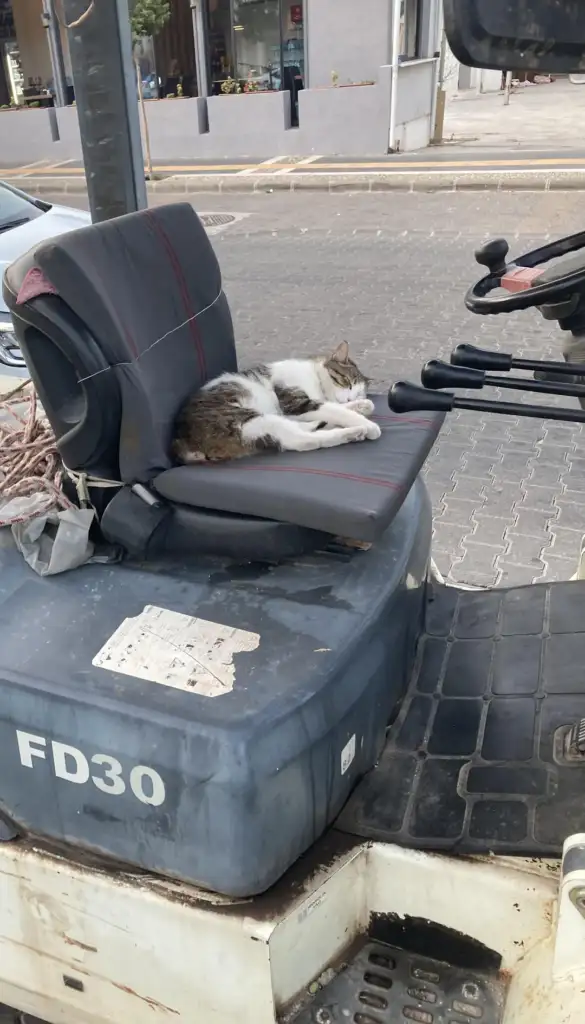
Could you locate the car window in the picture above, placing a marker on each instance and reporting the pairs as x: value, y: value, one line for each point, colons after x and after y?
x: 14, y: 209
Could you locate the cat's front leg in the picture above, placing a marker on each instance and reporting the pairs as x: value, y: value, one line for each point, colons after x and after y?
x: 337, y: 415
x: 364, y: 406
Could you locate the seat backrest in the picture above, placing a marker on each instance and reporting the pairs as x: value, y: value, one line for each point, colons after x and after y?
x: 59, y: 351
x: 147, y: 289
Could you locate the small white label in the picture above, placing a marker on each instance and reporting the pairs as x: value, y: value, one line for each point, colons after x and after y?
x: 177, y: 650
x: 310, y: 907
x: 347, y: 754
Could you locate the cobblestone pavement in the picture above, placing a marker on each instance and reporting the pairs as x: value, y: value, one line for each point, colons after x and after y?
x: 388, y: 273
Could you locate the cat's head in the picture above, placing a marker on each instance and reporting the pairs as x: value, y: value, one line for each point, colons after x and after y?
x: 349, y: 383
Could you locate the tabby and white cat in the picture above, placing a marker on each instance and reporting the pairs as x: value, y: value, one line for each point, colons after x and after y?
x: 295, y: 405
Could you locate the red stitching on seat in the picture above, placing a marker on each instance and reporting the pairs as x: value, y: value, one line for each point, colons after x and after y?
x: 176, y: 266
x: 324, y: 472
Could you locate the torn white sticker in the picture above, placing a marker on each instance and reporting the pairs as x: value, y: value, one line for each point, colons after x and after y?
x: 347, y: 754
x: 177, y: 650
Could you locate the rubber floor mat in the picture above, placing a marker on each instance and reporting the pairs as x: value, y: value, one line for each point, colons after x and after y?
x: 480, y: 758
x: 384, y: 985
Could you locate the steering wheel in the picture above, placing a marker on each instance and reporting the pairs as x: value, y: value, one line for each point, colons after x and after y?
x: 529, y: 285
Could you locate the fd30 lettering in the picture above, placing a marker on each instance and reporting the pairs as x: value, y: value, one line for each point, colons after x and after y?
x: 104, y: 771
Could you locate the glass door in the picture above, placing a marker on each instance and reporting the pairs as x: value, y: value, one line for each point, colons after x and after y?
x: 219, y: 44
x: 293, y: 53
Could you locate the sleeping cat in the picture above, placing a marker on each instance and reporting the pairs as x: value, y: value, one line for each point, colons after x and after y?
x: 295, y: 405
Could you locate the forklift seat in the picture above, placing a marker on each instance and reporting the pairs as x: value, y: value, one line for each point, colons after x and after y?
x: 134, y: 319
x: 253, y: 689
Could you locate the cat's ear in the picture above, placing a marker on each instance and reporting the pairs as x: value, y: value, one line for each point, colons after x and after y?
x: 341, y: 354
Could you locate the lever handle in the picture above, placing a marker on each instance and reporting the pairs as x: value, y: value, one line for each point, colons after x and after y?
x: 437, y: 374
x: 406, y: 397
x: 493, y: 255
x: 481, y: 359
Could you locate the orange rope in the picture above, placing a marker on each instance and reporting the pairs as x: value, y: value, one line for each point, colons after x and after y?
x: 29, y: 460
x: 79, y: 21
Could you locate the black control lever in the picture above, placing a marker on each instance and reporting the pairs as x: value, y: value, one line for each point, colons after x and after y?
x: 483, y: 359
x: 406, y: 397
x: 436, y: 374
x: 493, y: 255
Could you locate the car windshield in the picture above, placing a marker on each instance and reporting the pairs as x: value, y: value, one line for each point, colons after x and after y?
x: 15, y: 209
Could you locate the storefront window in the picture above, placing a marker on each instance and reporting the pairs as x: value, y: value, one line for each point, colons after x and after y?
x: 174, y: 53
x: 144, y: 56
x: 14, y: 75
x: 11, y: 77
x: 256, y: 46
x: 220, y: 47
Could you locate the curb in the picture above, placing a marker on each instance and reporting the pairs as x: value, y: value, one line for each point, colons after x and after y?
x: 316, y: 181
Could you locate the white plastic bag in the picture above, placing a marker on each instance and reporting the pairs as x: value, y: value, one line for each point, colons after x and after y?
x: 56, y: 541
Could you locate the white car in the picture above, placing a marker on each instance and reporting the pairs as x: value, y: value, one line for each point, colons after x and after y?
x: 24, y: 222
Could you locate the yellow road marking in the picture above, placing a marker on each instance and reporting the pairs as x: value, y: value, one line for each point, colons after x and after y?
x: 390, y: 166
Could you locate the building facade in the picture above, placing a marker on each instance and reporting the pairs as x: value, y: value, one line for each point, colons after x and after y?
x: 254, y: 77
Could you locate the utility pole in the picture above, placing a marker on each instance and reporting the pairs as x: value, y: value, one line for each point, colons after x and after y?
x: 104, y: 79
x: 438, y: 120
x: 51, y: 24
x: 200, y: 51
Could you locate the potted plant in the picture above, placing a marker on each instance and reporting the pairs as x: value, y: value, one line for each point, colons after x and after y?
x: 230, y: 86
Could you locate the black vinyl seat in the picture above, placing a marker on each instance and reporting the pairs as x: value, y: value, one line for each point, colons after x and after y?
x: 133, y: 321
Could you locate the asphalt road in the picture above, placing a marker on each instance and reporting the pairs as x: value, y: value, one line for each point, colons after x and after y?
x: 388, y: 272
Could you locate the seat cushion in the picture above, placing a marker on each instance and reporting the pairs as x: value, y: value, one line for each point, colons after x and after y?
x: 352, y: 491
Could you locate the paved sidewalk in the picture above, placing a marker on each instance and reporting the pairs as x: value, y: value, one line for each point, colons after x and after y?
x: 549, y: 116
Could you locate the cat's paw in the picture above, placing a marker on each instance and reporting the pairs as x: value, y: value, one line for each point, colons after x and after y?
x: 362, y: 405
x: 358, y: 433
x: 373, y: 432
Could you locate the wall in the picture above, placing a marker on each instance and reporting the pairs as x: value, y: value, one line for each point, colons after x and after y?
x: 414, y: 104
x: 25, y: 136
x: 346, y: 121
x: 351, y: 37
x: 490, y: 81
x: 479, y: 79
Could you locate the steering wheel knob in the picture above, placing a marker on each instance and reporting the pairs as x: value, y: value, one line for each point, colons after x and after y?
x: 561, y: 283
x: 493, y: 255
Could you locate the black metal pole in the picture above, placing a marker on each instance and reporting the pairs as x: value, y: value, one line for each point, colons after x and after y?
x: 541, y: 412
x: 107, y: 105
x: 541, y: 387
x: 51, y: 24
x: 197, y: 18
